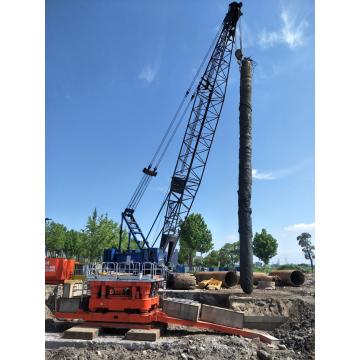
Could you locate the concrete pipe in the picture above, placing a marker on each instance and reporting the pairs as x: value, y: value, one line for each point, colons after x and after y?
x: 289, y: 277
x: 259, y: 276
x: 228, y: 278
x: 181, y: 281
x: 266, y: 284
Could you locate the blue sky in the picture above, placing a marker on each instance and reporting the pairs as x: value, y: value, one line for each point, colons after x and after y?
x: 115, y: 73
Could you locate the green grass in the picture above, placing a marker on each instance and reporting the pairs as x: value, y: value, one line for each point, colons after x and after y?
x: 302, y: 267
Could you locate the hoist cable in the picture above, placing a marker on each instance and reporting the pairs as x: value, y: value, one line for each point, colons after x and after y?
x: 173, y: 133
x: 158, y: 215
x: 184, y: 98
x: 136, y: 190
x: 140, y: 192
x: 145, y: 180
x: 157, y: 227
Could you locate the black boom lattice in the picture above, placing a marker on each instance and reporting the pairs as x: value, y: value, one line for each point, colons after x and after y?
x: 200, y: 131
x: 207, y: 102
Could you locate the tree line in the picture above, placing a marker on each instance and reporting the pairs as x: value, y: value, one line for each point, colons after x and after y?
x: 195, y: 237
x: 101, y: 232
x: 88, y: 244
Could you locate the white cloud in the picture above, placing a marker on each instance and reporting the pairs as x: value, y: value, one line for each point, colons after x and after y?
x: 268, y: 39
x: 148, y: 73
x: 232, y: 237
x: 278, y: 174
x: 262, y: 176
x: 291, y: 34
x: 301, y: 227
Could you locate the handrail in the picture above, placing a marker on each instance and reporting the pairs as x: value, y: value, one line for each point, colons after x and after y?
x: 125, y: 270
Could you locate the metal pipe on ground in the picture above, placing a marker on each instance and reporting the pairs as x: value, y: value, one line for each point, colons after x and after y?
x: 260, y: 276
x: 181, y: 281
x: 290, y: 277
x: 228, y: 278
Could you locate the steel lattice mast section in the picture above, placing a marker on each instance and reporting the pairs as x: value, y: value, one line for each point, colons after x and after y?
x: 200, y: 131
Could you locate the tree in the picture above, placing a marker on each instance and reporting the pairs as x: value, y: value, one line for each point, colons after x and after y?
x: 186, y: 254
x: 55, y: 235
x: 125, y: 240
x: 100, y: 233
x: 198, y: 261
x: 308, y: 249
x: 194, y: 236
x: 229, y: 254
x: 73, y: 244
x: 264, y: 246
x: 211, y: 259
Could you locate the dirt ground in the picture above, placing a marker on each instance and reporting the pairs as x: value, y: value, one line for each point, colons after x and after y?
x: 296, y: 335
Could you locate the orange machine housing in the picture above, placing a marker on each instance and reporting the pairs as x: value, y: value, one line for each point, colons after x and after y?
x: 134, y: 304
x: 123, y: 295
x: 57, y: 270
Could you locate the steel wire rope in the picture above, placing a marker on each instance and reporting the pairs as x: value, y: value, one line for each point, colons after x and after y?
x: 136, y: 190
x: 145, y: 180
x: 174, y: 131
x: 161, y: 157
x: 158, y: 213
x: 143, y: 188
x: 217, y: 64
x: 141, y: 192
x: 146, y: 183
x: 184, y: 98
x: 157, y: 219
x: 156, y: 235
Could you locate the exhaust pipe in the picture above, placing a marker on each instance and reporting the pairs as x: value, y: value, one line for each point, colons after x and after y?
x: 228, y: 278
x: 289, y: 277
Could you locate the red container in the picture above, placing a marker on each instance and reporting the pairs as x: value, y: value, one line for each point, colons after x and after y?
x: 70, y: 269
x: 58, y: 269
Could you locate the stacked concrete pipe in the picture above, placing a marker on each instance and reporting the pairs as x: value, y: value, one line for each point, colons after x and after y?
x: 289, y: 277
x: 260, y: 276
x: 228, y: 278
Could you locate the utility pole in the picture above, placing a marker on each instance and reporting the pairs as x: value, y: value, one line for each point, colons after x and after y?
x: 245, y: 174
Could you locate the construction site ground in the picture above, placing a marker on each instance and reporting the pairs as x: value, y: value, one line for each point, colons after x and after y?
x: 296, y: 335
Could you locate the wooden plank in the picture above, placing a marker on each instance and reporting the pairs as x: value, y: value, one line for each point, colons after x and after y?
x: 143, y: 334
x: 83, y: 333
